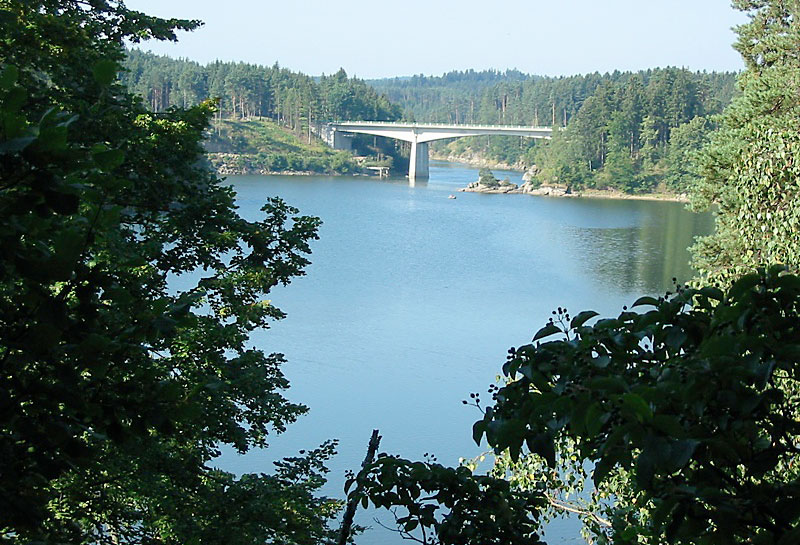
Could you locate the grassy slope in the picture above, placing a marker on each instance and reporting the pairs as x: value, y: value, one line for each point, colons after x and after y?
x: 262, y: 146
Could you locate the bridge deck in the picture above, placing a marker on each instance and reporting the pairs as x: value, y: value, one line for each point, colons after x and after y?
x: 449, y: 126
x: 420, y: 134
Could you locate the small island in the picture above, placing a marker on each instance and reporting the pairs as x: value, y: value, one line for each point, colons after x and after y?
x: 488, y: 183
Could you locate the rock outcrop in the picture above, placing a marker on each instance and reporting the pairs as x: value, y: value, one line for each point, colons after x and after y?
x: 529, y: 188
x: 530, y: 174
x: 497, y: 187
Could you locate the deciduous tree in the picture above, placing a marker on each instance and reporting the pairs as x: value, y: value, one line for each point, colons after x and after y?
x: 117, y: 390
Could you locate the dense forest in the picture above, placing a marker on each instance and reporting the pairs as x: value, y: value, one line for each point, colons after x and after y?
x: 291, y: 100
x: 248, y: 90
x: 631, y: 131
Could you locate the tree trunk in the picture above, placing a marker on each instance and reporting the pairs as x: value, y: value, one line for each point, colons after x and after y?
x: 352, y: 504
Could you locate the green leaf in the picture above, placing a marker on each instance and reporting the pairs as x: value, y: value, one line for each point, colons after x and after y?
x: 8, y: 77
x: 478, y: 429
x: 722, y: 345
x: 681, y: 452
x: 543, y: 445
x: 638, y: 406
x: 16, y: 145
x: 645, y: 469
x: 601, y: 362
x: 611, y: 384
x: 646, y: 300
x: 743, y: 285
x: 596, y: 417
x: 712, y: 293
x: 788, y: 281
x: 582, y: 318
x: 601, y: 470
x: 164, y: 325
x: 546, y: 331
x: 108, y: 160
x: 105, y: 71
x: 68, y: 246
x: 52, y: 138
x: 675, y: 337
x: 764, y: 373
x: 668, y: 425
x: 15, y: 98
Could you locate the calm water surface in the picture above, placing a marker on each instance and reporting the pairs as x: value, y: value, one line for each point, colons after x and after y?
x: 413, y: 299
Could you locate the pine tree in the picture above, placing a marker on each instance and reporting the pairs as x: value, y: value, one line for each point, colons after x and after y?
x: 752, y: 165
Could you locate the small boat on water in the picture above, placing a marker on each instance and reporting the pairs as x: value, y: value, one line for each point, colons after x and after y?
x: 451, y: 197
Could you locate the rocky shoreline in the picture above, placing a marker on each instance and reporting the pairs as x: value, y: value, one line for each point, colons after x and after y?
x: 527, y: 188
x: 544, y: 190
x: 235, y: 164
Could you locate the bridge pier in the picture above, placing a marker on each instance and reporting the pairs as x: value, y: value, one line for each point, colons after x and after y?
x: 342, y: 141
x: 418, y: 165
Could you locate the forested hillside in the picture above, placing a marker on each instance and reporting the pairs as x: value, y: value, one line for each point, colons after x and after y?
x: 248, y: 90
x: 251, y: 92
x: 630, y: 131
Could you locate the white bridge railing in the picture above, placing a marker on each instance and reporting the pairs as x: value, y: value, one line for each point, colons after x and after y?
x: 401, y: 124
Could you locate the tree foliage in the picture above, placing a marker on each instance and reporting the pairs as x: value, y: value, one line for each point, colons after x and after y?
x: 750, y: 167
x: 695, y: 399
x: 434, y: 504
x: 116, y: 393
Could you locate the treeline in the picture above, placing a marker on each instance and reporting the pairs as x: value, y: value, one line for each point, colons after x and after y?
x: 454, y: 97
x: 631, y: 131
x: 512, y: 97
x: 249, y: 90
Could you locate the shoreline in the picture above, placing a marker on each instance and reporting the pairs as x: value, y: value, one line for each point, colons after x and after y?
x: 560, y: 192
x: 613, y: 194
x: 224, y: 169
x: 618, y: 195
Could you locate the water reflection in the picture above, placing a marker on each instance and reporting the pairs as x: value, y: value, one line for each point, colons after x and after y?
x: 644, y: 256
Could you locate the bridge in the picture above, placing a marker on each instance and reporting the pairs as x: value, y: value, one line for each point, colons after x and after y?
x: 339, y: 136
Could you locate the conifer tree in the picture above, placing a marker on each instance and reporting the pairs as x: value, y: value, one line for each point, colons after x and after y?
x: 752, y: 164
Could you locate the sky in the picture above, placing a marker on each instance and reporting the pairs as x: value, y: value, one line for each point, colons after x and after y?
x: 377, y: 38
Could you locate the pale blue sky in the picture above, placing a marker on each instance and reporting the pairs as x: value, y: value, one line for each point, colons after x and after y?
x: 374, y: 38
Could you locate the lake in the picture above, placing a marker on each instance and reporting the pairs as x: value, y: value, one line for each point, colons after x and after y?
x: 413, y: 299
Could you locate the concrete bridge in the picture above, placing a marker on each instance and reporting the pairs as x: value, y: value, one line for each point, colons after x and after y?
x: 339, y: 136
